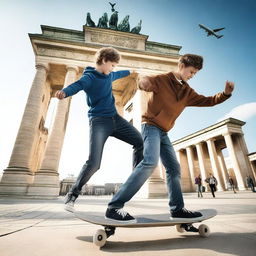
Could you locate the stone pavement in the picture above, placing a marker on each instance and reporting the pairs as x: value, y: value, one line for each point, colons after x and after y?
x: 40, y: 227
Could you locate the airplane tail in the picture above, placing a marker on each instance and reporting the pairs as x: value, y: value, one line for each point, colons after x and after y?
x: 219, y: 36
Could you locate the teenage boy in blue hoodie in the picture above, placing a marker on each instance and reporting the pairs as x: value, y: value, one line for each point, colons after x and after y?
x: 103, y: 117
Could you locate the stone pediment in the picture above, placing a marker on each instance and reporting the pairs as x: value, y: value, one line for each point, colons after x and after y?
x: 98, y: 37
x: 115, y: 38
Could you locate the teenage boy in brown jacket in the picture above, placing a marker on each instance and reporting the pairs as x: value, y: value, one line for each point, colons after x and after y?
x: 170, y: 94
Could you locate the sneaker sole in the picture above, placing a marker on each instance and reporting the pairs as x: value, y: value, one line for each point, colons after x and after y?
x: 122, y: 221
x: 69, y: 208
x: 185, y: 218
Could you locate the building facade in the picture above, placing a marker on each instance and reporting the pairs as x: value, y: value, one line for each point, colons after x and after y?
x: 60, y: 57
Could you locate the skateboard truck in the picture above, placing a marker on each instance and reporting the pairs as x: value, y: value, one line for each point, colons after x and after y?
x: 189, y: 228
x: 109, y: 230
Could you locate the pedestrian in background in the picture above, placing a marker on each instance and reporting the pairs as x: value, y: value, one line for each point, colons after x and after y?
x: 212, y: 181
x: 198, y: 182
x: 232, y: 184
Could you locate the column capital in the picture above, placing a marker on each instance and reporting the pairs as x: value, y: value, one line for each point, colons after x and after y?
x: 43, y: 66
x: 210, y: 140
x: 226, y: 134
x: 72, y: 68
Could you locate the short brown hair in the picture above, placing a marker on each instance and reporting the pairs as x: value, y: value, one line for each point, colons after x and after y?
x: 107, y: 54
x: 193, y: 60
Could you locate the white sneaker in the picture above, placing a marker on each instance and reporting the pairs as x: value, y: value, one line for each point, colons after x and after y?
x: 69, y: 206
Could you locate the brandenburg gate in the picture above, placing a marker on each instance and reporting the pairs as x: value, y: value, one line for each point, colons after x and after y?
x: 60, y: 57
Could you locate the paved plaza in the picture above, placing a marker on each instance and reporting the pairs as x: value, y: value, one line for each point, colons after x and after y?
x: 42, y: 227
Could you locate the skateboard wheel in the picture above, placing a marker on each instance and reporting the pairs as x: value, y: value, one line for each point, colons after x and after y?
x: 204, y: 230
x: 100, y: 238
x: 180, y: 229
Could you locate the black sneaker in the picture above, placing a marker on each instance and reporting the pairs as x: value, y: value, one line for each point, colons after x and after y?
x: 119, y: 215
x: 184, y: 213
x: 69, y: 202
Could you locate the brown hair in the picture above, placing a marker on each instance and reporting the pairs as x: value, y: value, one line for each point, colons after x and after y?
x: 107, y: 54
x: 193, y: 60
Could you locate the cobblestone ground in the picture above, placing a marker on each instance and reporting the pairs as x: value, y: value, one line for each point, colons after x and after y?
x: 42, y: 227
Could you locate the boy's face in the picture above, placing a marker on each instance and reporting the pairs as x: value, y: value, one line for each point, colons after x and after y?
x: 187, y: 73
x: 107, y: 66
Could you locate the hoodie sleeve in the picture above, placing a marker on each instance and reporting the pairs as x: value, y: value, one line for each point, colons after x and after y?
x: 119, y: 74
x: 83, y: 83
x: 198, y: 100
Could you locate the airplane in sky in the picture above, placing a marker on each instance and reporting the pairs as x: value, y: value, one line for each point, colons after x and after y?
x: 211, y: 32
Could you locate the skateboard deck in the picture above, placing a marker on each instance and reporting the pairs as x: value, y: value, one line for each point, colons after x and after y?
x: 153, y: 220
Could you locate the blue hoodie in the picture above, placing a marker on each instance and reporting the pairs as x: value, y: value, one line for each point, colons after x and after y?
x: 98, y: 89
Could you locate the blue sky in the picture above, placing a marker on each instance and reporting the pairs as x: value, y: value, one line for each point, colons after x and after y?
x: 175, y: 22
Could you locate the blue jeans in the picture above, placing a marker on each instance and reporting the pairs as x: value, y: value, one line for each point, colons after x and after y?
x: 100, y: 129
x: 156, y: 143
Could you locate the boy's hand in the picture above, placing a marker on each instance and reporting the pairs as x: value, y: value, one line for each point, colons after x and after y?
x: 229, y: 87
x: 60, y: 95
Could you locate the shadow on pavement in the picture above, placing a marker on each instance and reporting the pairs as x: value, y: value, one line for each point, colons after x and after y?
x: 242, y: 244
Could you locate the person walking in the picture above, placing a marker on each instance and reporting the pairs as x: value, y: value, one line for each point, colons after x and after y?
x: 232, y: 184
x: 212, y: 181
x: 198, y: 182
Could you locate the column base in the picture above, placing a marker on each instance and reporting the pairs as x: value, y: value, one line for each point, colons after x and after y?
x: 15, y: 181
x: 17, y: 175
x: 46, y: 185
x: 153, y: 188
x: 242, y: 188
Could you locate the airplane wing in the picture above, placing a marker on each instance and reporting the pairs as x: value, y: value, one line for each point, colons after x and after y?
x: 217, y: 29
x: 205, y: 28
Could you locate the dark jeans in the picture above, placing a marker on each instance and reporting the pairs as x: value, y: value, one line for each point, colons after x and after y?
x: 213, y: 189
x: 100, y: 129
x: 200, y: 190
x: 156, y: 144
x: 252, y: 187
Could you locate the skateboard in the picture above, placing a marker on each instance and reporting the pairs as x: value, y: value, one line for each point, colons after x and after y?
x: 153, y: 220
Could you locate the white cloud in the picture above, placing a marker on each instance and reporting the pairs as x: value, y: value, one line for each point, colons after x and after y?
x: 242, y: 112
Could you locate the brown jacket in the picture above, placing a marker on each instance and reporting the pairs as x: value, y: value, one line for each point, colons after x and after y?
x: 168, y: 98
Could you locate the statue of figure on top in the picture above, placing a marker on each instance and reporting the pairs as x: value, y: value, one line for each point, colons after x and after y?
x: 103, y: 21
x: 113, y: 20
x: 89, y: 21
x: 124, y: 25
x: 112, y: 6
x: 137, y: 29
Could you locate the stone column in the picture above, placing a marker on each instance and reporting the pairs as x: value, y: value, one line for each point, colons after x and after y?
x: 234, y: 161
x: 201, y: 161
x: 46, y: 183
x: 191, y: 165
x: 223, y: 167
x: 19, y: 173
x: 244, y: 159
x: 186, y: 183
x: 215, y: 164
x: 253, y: 166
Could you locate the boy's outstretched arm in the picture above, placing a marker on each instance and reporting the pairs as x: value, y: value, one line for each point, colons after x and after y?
x: 120, y: 74
x: 82, y: 84
x: 198, y: 100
